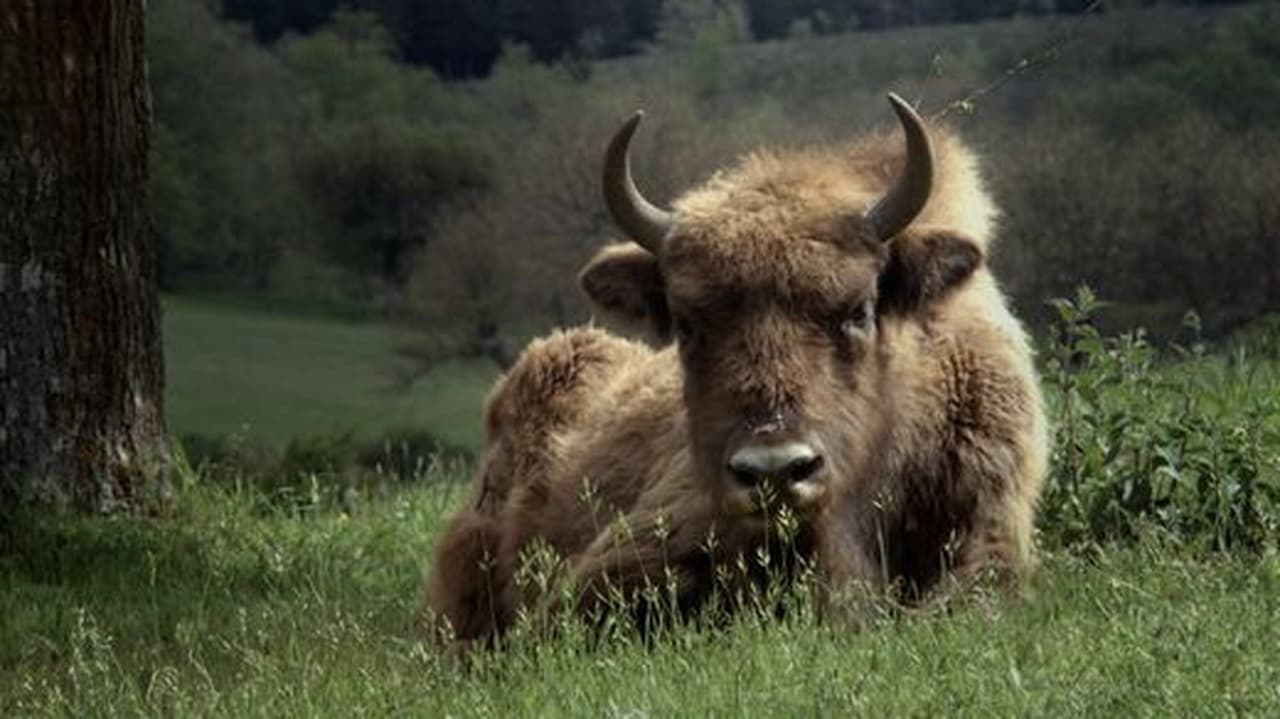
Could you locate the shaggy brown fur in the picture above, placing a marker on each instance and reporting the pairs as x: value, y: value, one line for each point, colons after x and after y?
x: 900, y: 360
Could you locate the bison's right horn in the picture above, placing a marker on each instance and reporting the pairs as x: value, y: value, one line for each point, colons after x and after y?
x: 643, y: 222
x: 897, y: 209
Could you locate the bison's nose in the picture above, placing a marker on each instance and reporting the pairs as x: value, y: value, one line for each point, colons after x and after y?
x: 789, y: 462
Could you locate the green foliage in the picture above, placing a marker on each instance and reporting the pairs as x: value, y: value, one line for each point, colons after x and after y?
x: 324, y: 148
x: 1182, y: 217
x: 378, y: 183
x: 1190, y: 450
x: 461, y: 39
x: 326, y: 170
x: 221, y: 186
x: 323, y: 472
x: 348, y: 71
x: 384, y: 150
x: 683, y: 23
x: 325, y: 173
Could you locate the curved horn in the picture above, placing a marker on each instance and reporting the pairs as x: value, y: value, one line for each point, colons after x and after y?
x: 900, y: 206
x: 637, y: 217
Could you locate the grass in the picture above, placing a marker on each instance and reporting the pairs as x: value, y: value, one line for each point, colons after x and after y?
x: 219, y: 610
x: 233, y: 605
x: 276, y: 377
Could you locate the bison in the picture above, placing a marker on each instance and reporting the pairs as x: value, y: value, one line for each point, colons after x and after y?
x: 824, y: 342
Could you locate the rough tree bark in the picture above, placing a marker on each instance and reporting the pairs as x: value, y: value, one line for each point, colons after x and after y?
x: 81, y: 372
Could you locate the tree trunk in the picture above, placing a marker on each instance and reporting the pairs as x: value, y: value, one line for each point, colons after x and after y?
x: 81, y: 371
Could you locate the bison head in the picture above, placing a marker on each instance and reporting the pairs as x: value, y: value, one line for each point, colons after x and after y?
x: 782, y: 282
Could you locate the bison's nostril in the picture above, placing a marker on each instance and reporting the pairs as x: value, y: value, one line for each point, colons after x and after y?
x: 792, y: 462
x: 804, y: 469
x: 744, y: 477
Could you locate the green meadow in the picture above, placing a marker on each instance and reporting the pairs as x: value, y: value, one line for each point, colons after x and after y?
x: 273, y: 377
x: 1159, y: 592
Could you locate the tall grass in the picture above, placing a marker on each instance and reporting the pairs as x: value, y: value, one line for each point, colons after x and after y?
x: 231, y: 613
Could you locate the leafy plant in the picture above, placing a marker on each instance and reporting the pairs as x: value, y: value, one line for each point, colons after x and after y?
x: 1186, y: 447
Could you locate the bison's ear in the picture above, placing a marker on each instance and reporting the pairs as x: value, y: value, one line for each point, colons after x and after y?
x: 923, y: 266
x: 626, y: 291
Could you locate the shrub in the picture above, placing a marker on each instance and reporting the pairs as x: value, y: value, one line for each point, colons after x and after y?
x: 407, y: 454
x: 1187, y: 448
x: 323, y: 472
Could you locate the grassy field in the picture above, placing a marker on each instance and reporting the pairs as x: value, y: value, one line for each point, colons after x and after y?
x: 276, y: 377
x: 1159, y: 593
x: 222, y: 611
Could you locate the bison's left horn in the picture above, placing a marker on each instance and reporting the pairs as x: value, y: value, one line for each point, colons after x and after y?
x: 897, y: 209
x: 643, y: 222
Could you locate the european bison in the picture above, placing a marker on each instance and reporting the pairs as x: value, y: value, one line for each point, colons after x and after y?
x: 830, y: 347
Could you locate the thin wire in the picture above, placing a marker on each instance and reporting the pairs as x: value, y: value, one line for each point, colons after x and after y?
x: 1022, y: 67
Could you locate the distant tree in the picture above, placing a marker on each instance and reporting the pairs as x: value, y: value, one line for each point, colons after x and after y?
x: 686, y: 23
x: 378, y: 156
x: 458, y: 38
x: 501, y: 265
x: 464, y: 38
x: 642, y: 19
x: 378, y: 184
x: 225, y: 200
x: 81, y: 372
x: 554, y: 28
x: 463, y: 295
x: 273, y: 18
x: 772, y: 19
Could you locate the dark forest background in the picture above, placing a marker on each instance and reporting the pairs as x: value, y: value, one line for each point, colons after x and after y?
x: 436, y: 163
x: 463, y: 38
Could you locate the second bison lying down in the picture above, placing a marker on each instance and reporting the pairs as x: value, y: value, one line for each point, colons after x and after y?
x: 831, y: 347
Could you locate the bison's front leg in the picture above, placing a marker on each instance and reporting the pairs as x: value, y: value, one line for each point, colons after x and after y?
x: 465, y: 601
x: 650, y: 558
x: 998, y: 544
x: 971, y: 522
x: 675, y: 557
x: 1001, y: 462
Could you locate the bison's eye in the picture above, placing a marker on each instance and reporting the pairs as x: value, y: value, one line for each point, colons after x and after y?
x: 858, y: 319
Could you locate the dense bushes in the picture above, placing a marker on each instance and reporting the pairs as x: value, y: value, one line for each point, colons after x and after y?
x: 1188, y: 448
x: 463, y: 38
x: 323, y: 472
x: 222, y: 189
x: 1137, y: 163
x: 1155, y: 185
x: 1182, y: 218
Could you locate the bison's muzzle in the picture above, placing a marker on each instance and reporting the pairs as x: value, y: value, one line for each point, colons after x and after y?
x: 770, y: 468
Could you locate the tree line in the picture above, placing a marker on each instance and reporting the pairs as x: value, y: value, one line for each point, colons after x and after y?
x: 325, y: 172
x: 464, y: 38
